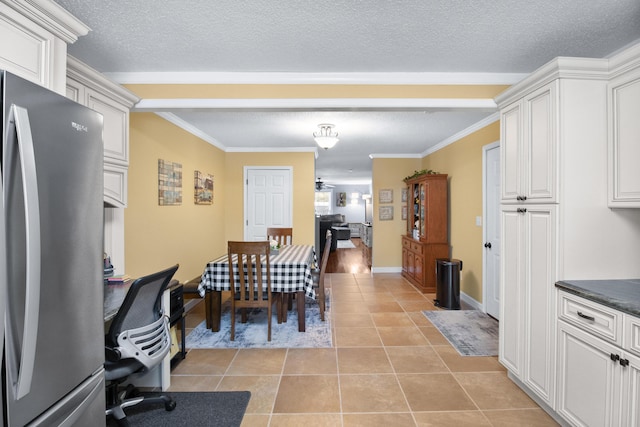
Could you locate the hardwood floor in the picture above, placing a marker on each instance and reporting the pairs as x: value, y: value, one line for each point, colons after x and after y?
x: 348, y: 260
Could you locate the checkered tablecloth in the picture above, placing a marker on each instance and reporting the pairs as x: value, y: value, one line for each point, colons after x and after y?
x: 290, y: 271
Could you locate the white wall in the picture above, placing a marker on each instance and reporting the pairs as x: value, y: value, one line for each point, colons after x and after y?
x: 354, y: 211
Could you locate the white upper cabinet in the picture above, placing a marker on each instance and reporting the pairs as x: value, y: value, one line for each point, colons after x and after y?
x: 529, y: 144
x: 624, y: 134
x: 34, y: 38
x: 88, y: 87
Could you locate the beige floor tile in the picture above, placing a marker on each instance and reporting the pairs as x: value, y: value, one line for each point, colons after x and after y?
x: 520, y: 418
x: 205, y: 362
x: 392, y: 319
x: 263, y: 388
x: 194, y: 382
x: 378, y: 420
x: 423, y: 359
x: 311, y: 361
x: 458, y: 363
x: 350, y: 297
x: 493, y: 390
x: 371, y: 393
x: 255, y: 420
x: 448, y: 419
x: 393, y: 336
x: 434, y: 392
x: 357, y: 337
x: 352, y: 319
x: 374, y: 297
x: 409, y: 296
x: 363, y: 360
x: 384, y: 307
x: 419, y: 319
x: 295, y: 396
x: 307, y: 420
x: 416, y: 306
x: 433, y: 335
x: 258, y: 361
x: 345, y: 307
x: 400, y: 288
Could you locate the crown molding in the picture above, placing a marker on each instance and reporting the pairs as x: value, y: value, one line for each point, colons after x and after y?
x: 395, y: 156
x: 625, y: 60
x: 557, y: 68
x: 195, y: 131
x: 81, y: 72
x: 272, y: 150
x: 345, y: 104
x: 465, y: 132
x: 50, y: 16
x: 317, y: 78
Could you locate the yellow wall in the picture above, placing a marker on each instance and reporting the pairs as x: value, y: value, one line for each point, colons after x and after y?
x: 303, y: 220
x: 160, y: 236
x: 387, y: 246
x: 189, y: 234
x: 462, y: 161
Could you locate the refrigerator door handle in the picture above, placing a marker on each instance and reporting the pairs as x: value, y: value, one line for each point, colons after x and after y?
x: 20, y: 127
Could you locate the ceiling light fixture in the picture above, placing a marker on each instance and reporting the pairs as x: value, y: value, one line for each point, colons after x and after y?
x: 326, y: 138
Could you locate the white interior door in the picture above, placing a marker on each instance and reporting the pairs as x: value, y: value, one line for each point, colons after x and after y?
x: 491, y: 232
x: 267, y: 200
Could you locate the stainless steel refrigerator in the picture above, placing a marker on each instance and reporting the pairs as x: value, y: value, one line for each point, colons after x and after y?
x: 51, y: 256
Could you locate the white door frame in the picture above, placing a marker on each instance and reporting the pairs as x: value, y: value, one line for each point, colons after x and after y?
x: 245, y: 196
x: 485, y: 292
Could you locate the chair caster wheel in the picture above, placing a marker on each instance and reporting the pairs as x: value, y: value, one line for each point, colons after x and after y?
x: 170, y: 406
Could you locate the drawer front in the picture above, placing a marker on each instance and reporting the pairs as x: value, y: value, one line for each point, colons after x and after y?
x: 417, y: 248
x: 406, y: 243
x: 632, y: 334
x: 591, y: 317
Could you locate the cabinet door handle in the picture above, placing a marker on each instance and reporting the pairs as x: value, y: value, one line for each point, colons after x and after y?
x: 624, y: 362
x: 521, y: 210
x: 614, y: 357
x: 487, y: 245
x: 584, y: 316
x: 521, y: 198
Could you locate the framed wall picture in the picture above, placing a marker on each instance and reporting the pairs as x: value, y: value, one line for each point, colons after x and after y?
x: 404, y: 212
x: 169, y: 183
x: 385, y: 213
x: 203, y: 188
x: 341, y: 199
x: 385, y: 196
x: 404, y: 194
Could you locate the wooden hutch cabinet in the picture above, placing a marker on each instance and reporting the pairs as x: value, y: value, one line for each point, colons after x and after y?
x: 427, y: 233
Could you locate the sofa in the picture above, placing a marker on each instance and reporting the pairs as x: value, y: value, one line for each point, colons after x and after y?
x: 324, y: 223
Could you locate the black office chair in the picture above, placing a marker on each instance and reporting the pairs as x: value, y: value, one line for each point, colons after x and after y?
x: 138, y: 340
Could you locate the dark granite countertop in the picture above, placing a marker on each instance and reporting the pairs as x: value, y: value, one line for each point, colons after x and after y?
x: 113, y: 296
x: 623, y: 295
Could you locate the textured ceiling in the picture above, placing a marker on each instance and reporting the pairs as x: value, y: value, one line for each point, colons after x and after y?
x: 345, y: 36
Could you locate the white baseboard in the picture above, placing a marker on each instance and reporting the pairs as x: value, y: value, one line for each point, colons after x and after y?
x: 471, y: 301
x: 386, y: 269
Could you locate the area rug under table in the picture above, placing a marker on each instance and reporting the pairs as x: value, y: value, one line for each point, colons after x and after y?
x: 470, y: 332
x: 253, y: 334
x: 220, y: 409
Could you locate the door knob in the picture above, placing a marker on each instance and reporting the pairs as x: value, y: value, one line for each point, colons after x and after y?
x: 487, y: 245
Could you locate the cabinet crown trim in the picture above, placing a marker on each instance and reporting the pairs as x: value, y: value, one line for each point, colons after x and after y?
x: 52, y: 17
x: 81, y: 72
x: 558, y: 68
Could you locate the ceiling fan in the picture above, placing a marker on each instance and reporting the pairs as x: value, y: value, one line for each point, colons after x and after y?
x: 321, y: 185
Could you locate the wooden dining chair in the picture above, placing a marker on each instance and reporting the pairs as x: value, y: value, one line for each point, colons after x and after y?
x: 250, y: 291
x: 283, y: 235
x: 318, y: 277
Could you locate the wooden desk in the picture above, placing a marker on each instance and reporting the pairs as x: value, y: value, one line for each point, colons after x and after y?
x: 290, y: 272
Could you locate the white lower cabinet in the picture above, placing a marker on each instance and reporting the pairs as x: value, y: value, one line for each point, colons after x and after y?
x: 598, y: 380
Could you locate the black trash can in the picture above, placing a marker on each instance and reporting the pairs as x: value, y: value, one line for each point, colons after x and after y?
x: 448, y: 283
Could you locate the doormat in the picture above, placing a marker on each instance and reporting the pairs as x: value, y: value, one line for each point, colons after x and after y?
x: 253, y: 334
x: 345, y: 244
x: 470, y: 332
x: 219, y: 408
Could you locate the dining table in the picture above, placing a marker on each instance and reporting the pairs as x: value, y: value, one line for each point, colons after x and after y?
x: 290, y: 268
